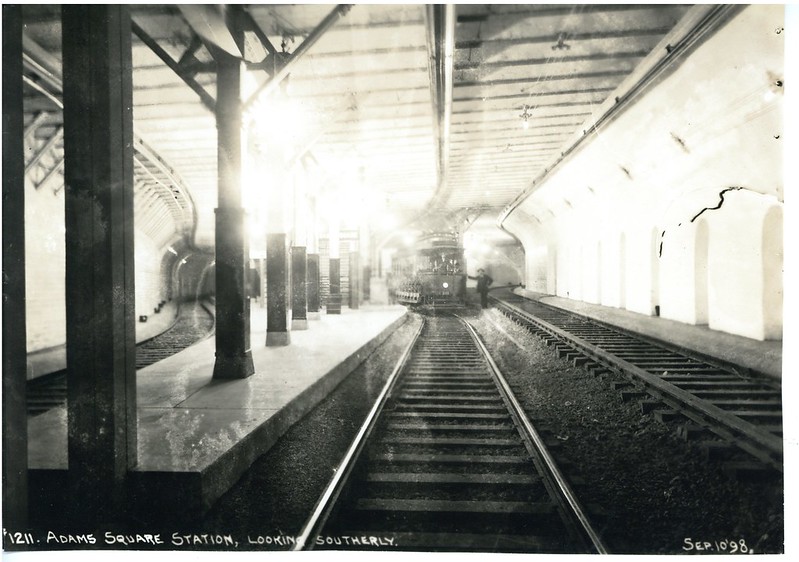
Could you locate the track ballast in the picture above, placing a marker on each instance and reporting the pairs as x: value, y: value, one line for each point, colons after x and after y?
x: 447, y: 463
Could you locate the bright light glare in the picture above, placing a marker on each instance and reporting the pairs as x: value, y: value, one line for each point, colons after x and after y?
x: 280, y: 123
x: 445, y: 285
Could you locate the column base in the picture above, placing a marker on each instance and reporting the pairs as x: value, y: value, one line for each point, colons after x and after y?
x: 333, y: 305
x: 314, y: 315
x: 277, y: 339
x: 238, y: 367
x: 299, y: 324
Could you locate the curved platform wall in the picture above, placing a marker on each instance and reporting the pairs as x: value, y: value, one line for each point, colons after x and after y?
x: 45, y: 269
x: 675, y: 207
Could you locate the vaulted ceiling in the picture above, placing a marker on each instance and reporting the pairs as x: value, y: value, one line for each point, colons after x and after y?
x: 445, y: 111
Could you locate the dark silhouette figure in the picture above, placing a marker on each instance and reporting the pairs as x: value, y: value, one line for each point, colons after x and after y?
x: 483, y: 283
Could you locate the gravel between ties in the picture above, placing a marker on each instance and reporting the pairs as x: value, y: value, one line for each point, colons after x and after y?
x: 657, y: 490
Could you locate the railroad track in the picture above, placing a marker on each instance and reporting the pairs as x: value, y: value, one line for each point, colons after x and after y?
x: 743, y: 409
x: 194, y: 323
x: 447, y: 460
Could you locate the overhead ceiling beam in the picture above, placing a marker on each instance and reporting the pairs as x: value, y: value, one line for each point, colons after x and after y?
x: 553, y: 38
x: 209, y: 22
x: 475, y: 65
x: 274, y: 81
x: 504, y: 110
x: 538, y: 94
x: 353, y: 51
x: 33, y: 125
x: 528, y: 80
x: 259, y: 33
x: 441, y: 48
x: 45, y: 148
x: 206, y: 98
x: 555, y: 10
x: 52, y: 173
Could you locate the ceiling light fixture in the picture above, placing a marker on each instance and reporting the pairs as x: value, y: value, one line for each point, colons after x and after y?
x: 560, y: 45
x: 525, y: 116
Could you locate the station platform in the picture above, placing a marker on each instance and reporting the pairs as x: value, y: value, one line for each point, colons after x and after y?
x: 197, y: 436
x: 762, y: 357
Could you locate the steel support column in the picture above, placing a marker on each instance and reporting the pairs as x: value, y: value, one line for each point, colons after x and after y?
x: 312, y: 286
x: 367, y: 283
x: 277, y: 277
x: 334, y: 297
x: 299, y: 297
x: 233, y: 352
x: 355, y: 280
x: 100, y: 294
x: 15, y: 421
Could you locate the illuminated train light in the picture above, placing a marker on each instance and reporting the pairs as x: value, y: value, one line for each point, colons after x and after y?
x: 445, y: 285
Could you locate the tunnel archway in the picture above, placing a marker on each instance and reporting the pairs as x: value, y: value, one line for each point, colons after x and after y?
x: 772, y: 252
x: 623, y: 271
x: 599, y: 262
x: 701, y: 281
x: 654, y: 273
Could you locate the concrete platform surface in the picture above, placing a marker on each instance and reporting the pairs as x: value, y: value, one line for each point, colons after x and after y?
x: 198, y: 435
x: 764, y: 357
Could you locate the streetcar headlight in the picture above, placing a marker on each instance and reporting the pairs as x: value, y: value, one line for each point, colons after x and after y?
x: 445, y: 285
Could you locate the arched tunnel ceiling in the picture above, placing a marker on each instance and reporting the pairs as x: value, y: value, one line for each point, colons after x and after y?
x: 365, y: 100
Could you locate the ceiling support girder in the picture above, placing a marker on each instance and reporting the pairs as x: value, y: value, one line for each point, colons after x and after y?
x: 206, y: 98
x: 526, y: 95
x: 211, y: 23
x: 188, y: 61
x: 274, y: 81
x: 259, y: 33
x: 45, y: 149
x: 574, y: 76
x: 589, y: 57
x: 59, y: 165
x: 553, y: 38
x: 34, y: 124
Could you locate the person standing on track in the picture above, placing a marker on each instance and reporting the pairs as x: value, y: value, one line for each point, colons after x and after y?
x: 483, y: 283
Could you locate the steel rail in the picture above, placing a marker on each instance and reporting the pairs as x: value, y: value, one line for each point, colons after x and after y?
x: 767, y: 446
x: 327, y: 500
x: 540, y: 449
x: 669, y: 347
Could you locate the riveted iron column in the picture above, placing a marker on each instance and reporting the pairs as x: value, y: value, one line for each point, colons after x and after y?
x: 299, y: 298
x: 334, y: 298
x: 15, y: 421
x: 334, y: 243
x: 367, y: 283
x: 355, y: 280
x: 277, y: 279
x: 100, y: 306
x: 233, y: 351
x: 312, y: 280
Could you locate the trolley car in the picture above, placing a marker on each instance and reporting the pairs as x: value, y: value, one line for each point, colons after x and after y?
x: 432, y: 274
